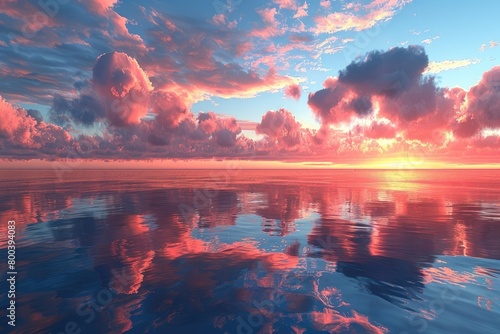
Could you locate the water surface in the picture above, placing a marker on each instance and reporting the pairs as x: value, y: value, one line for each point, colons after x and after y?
x: 235, y: 251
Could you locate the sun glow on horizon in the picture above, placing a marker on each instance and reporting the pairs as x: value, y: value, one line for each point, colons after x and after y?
x: 382, y: 163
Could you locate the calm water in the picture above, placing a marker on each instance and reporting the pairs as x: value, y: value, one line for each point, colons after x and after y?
x: 254, y: 251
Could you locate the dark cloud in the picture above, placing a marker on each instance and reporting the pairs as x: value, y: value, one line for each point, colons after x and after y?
x: 36, y: 115
x: 394, y: 82
x: 386, y: 73
x: 412, y: 104
x: 301, y: 38
x: 225, y: 138
x: 484, y: 99
x: 361, y: 105
x: 83, y: 110
x: 329, y: 104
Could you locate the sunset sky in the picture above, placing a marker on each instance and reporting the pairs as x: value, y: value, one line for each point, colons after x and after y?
x: 375, y: 83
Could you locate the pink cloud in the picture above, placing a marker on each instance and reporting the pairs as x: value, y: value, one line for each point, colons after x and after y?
x: 375, y: 12
x: 424, y: 112
x: 220, y: 19
x: 281, y: 127
x: 223, y: 130
x: 101, y: 6
x: 20, y: 129
x: 119, y: 35
x: 301, y: 11
x: 271, y: 26
x: 267, y: 14
x: 248, y: 125
x: 169, y: 108
x: 207, y: 122
x: 293, y: 91
x: 490, y: 45
x: 378, y: 130
x: 29, y: 20
x: 225, y: 138
x: 286, y: 4
x: 123, y: 87
x: 466, y: 128
x: 325, y: 3
x: 238, y: 83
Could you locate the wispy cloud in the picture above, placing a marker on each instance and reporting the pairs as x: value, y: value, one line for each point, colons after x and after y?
x: 446, y: 65
x: 365, y: 18
x: 490, y: 45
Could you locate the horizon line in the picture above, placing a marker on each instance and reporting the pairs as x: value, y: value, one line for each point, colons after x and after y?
x: 245, y: 168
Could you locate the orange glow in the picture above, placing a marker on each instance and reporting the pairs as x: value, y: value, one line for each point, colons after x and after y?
x: 401, y: 163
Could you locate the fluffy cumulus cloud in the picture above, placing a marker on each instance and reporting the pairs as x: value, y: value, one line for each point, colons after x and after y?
x: 394, y: 75
x: 119, y: 91
x: 122, y: 86
x: 386, y: 73
x: 392, y: 84
x: 138, y: 120
x: 393, y: 97
x: 170, y: 109
x: 484, y: 99
x: 20, y: 129
x: 467, y: 127
x: 385, y: 95
x: 223, y: 130
x: 281, y: 128
x: 377, y: 130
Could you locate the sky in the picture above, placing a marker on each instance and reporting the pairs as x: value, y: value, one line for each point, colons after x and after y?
x: 388, y: 83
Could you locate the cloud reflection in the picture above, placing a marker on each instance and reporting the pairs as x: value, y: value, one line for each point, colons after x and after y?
x: 328, y: 245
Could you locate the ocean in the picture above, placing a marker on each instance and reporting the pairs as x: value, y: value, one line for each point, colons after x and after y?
x: 253, y: 251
